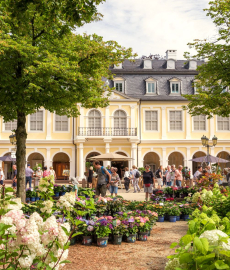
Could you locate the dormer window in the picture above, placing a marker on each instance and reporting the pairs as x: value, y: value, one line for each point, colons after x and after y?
x: 151, y: 86
x: 175, y: 86
x: 147, y: 63
x: 119, y: 84
x: 192, y: 64
x: 118, y: 66
x: 171, y: 64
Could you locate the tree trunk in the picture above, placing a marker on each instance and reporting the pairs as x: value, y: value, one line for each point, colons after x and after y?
x: 21, y: 136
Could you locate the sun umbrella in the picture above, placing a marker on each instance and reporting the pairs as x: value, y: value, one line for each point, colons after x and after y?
x: 7, y: 158
x: 211, y: 159
x: 110, y: 157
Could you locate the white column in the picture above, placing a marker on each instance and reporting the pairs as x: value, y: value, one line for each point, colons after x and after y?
x: 164, y: 161
x: 134, y: 154
x: 107, y: 150
x: 107, y: 122
x: 81, y: 121
x: 188, y: 156
x: 188, y: 126
x: 163, y: 123
x: 48, y: 126
x: 48, y: 161
x: 81, y: 161
x: 72, y: 163
x: 211, y: 151
x: 140, y: 160
x: 133, y: 122
x: 212, y: 128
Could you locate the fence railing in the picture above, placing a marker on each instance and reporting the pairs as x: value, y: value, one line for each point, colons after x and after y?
x: 87, y: 131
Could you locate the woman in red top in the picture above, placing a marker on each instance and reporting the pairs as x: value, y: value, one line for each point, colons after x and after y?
x: 46, y: 172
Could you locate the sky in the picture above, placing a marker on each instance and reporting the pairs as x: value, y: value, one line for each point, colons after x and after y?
x: 153, y: 26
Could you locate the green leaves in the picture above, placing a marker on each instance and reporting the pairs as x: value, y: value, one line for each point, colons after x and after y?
x: 221, y: 265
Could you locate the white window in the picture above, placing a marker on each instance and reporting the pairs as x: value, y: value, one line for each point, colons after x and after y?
x: 119, y: 86
x: 12, y: 125
x: 199, y: 122
x: 175, y: 118
x: 36, y: 121
x: 175, y: 88
x: 151, y: 120
x: 94, y: 122
x: 120, y: 119
x: 151, y: 88
x: 61, y: 123
x: 223, y: 123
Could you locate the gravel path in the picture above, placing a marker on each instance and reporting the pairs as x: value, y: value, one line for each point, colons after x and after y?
x: 150, y: 255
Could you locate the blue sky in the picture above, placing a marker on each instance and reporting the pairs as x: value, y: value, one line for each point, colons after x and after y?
x: 153, y: 26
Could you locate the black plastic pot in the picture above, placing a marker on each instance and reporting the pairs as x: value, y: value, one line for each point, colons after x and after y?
x: 143, y: 236
x: 117, y: 239
x: 102, y: 241
x: 131, y: 238
x: 87, y: 240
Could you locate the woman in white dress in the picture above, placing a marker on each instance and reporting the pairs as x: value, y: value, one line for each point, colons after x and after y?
x: 39, y: 175
x: 52, y: 172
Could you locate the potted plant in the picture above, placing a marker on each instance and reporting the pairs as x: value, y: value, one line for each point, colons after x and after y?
x: 173, y: 211
x: 144, y: 227
x: 117, y: 231
x: 160, y: 211
x: 33, y: 196
x: 28, y: 194
x: 87, y: 165
x: 57, y: 190
x: 87, y: 230
x: 62, y: 190
x: 186, y: 210
x: 102, y: 229
x: 131, y: 229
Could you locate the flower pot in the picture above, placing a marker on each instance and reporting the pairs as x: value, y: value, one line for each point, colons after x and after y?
x: 56, y: 194
x: 61, y: 193
x: 37, y: 198
x: 172, y: 218
x: 73, y: 240
x: 143, y: 236
x: 186, y: 217
x: 87, y: 240
x: 161, y: 219
x: 131, y: 238
x: 166, y: 217
x: 27, y: 199
x: 149, y: 232
x: 32, y: 199
x: 177, y: 218
x: 102, y: 241
x: 117, y: 239
x: 182, y: 216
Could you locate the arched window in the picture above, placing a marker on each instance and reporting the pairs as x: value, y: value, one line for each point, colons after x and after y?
x: 120, y: 123
x: 94, y: 123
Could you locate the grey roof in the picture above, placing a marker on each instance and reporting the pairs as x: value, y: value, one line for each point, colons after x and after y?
x: 157, y: 65
x: 135, y: 86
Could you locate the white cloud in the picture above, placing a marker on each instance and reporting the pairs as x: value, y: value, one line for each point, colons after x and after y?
x: 153, y: 26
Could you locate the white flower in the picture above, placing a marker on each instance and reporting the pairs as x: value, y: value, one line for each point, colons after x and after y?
x: 17, y: 206
x: 173, y: 264
x: 26, y: 262
x: 47, y: 207
x: 213, y: 238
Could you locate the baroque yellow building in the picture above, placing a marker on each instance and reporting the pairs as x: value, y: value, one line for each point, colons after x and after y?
x: 144, y: 121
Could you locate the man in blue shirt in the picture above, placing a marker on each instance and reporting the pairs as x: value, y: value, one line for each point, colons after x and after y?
x: 29, y: 173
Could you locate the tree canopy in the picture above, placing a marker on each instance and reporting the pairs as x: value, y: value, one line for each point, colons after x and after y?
x: 44, y: 63
x: 213, y: 81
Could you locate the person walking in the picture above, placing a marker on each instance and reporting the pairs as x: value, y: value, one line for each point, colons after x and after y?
x: 164, y: 177
x: 14, y: 184
x: 168, y: 176
x: 114, y: 181
x: 196, y: 175
x: 149, y: 181
x: 52, y: 172
x: 29, y: 173
x: 127, y: 178
x: 101, y: 179
x: 2, y: 176
x: 38, y: 176
x: 172, y: 173
x: 178, y: 176
x: 90, y: 177
x: 159, y: 176
x: 136, y: 176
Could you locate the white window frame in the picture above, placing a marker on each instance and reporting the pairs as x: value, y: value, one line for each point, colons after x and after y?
x: 119, y: 80
x: 154, y: 81
x: 102, y: 117
x: 175, y: 81
x: 158, y: 121
x: 54, y: 125
x: 219, y: 130
x: 43, y: 123
x: 176, y: 130
x: 4, y: 127
x: 193, y: 126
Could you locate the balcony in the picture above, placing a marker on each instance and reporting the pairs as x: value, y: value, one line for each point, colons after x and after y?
x: 87, y: 131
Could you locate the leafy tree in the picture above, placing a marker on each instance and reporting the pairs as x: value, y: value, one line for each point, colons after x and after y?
x: 44, y: 64
x: 214, y: 76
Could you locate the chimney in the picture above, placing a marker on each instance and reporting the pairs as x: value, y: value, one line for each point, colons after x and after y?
x: 171, y: 54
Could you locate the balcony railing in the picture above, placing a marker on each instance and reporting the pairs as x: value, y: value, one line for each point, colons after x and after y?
x: 87, y: 131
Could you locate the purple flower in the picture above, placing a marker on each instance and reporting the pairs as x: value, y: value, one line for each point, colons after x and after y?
x: 110, y: 226
x: 91, y: 222
x: 131, y: 225
x: 120, y: 213
x: 131, y: 220
x: 90, y: 228
x: 103, y: 222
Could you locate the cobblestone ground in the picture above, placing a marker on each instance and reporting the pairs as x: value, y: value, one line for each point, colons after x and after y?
x: 150, y: 255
